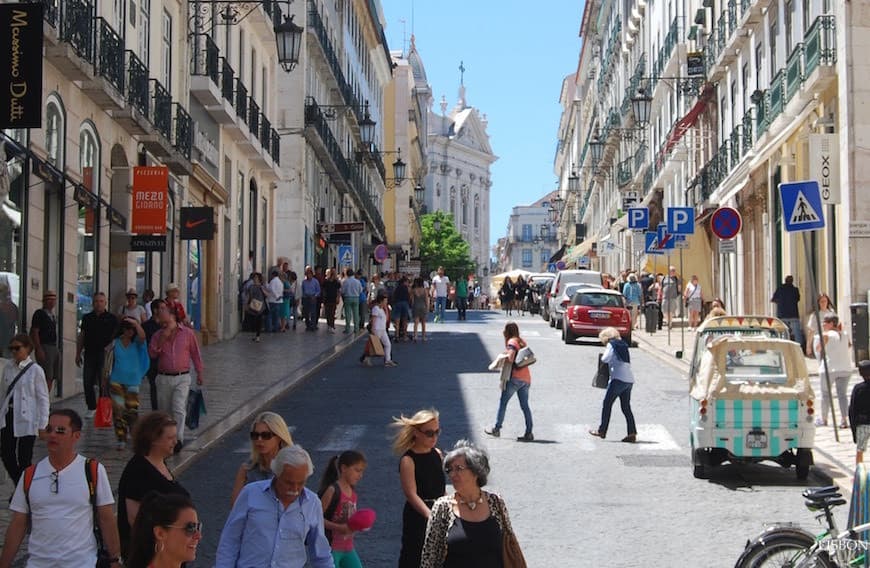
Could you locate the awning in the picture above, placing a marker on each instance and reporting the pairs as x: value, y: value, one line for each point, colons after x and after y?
x: 683, y: 125
x: 577, y: 251
x: 558, y: 256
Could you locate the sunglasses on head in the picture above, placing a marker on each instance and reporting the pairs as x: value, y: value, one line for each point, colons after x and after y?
x: 430, y: 433
x: 189, y: 529
x: 262, y: 435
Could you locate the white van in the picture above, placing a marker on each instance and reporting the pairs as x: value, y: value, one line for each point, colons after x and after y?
x: 557, y: 291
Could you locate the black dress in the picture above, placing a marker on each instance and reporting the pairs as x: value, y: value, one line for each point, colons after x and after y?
x: 474, y: 544
x: 430, y: 486
x: 139, y: 478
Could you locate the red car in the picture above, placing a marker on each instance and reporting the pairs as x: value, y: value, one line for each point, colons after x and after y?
x: 591, y: 310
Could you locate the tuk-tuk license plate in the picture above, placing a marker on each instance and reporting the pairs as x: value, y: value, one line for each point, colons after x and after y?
x: 756, y: 439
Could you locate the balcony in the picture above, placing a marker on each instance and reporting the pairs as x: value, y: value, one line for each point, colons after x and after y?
x: 276, y: 147
x: 182, y: 141
x: 159, y: 143
x: 746, y: 132
x: 777, y: 92
x: 106, y: 87
x: 237, y: 128
x: 205, y: 71
x: 794, y: 74
x: 820, y: 52
x: 624, y: 173
x: 74, y: 55
x: 135, y: 117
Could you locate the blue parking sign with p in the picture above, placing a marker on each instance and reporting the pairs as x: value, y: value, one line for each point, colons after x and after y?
x: 681, y: 220
x: 638, y: 218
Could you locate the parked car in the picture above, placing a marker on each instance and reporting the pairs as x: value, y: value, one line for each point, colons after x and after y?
x: 591, y: 310
x: 556, y: 297
x: 539, y: 284
x: 562, y: 305
x: 751, y: 401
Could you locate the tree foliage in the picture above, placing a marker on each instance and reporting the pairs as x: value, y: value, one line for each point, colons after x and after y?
x: 444, y: 246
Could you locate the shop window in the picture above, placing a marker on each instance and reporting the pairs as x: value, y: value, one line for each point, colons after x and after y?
x: 88, y: 223
x: 194, y: 283
x: 11, y: 242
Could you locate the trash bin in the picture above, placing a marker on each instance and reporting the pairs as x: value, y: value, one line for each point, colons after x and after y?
x: 860, y: 331
x: 651, y: 316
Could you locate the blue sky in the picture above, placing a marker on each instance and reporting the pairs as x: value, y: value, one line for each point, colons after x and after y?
x: 515, y: 54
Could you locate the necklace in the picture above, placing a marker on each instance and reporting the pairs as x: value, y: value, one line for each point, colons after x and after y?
x: 470, y: 504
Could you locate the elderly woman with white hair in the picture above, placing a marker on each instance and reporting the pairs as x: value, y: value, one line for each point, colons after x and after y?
x: 277, y: 522
x: 621, y: 380
x: 467, y: 528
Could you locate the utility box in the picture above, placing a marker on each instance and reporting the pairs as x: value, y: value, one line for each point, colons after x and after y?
x: 860, y: 331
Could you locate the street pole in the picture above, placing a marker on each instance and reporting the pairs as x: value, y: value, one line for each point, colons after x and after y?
x: 683, y: 309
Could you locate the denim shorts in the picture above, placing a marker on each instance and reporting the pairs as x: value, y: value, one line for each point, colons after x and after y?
x: 401, y: 310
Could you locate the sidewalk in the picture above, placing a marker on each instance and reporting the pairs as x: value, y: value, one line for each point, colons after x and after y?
x: 836, y: 459
x: 240, y: 377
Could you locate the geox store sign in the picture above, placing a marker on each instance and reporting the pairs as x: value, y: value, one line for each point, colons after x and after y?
x: 21, y: 65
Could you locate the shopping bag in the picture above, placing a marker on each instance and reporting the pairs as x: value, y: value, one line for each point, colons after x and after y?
x: 103, y: 414
x: 195, y: 408
x: 602, y: 374
x: 376, y: 348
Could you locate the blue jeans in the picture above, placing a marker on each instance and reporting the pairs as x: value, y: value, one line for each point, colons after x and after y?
x: 794, y: 326
x: 618, y: 389
x: 309, y: 309
x: 440, y: 304
x: 461, y: 306
x: 522, y: 390
x: 273, y: 324
x: 351, y: 313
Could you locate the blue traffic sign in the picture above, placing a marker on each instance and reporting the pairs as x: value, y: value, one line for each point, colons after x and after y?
x: 345, y: 256
x: 681, y: 220
x: 802, y: 206
x: 666, y: 240
x: 652, y: 243
x: 726, y: 223
x: 638, y: 218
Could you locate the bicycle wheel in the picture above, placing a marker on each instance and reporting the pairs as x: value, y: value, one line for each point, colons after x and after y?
x: 781, y: 548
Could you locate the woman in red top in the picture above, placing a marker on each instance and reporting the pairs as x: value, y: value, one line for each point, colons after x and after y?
x: 519, y: 383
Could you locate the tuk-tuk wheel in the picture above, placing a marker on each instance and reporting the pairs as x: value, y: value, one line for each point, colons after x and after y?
x: 804, y: 460
x: 699, y: 472
x: 698, y: 469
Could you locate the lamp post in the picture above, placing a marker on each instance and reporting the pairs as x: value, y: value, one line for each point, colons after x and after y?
x: 641, y: 106
x: 288, y: 37
x: 597, y: 148
x: 573, y: 182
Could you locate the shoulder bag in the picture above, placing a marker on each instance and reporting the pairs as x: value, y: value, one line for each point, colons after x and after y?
x: 17, y: 378
x: 511, y: 553
x: 525, y: 357
x: 602, y: 375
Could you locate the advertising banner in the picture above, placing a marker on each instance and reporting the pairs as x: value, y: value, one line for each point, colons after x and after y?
x: 21, y: 65
x: 197, y: 223
x: 150, y: 194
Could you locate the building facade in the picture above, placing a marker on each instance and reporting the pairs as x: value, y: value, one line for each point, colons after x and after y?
x: 744, y: 96
x: 531, y: 239
x: 458, y: 178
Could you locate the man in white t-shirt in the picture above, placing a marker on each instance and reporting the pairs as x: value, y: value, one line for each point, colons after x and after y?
x: 440, y: 283
x: 59, y: 507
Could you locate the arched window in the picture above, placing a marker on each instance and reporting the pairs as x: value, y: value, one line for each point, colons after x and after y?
x: 89, y: 156
x: 55, y: 132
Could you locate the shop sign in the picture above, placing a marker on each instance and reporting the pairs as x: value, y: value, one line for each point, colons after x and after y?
x: 824, y: 157
x: 115, y: 218
x: 338, y: 238
x: 695, y: 64
x: 47, y: 173
x: 85, y: 198
x: 355, y: 227
x: 21, y: 65
x: 197, y: 223
x: 150, y: 196
x: 148, y: 243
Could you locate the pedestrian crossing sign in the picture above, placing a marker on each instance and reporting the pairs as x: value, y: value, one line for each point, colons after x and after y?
x: 802, y: 206
x: 345, y: 256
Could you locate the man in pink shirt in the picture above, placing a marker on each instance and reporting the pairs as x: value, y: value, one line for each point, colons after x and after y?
x: 175, y: 348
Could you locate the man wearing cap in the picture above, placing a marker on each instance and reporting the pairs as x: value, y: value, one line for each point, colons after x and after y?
x: 859, y: 411
x: 98, y: 329
x: 43, y: 333
x: 173, y: 292
x: 132, y: 309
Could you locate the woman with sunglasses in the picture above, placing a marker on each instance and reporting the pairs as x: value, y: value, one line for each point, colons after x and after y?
x: 269, y: 433
x: 421, y: 476
x: 166, y: 533
x: 154, y: 438
x: 24, y: 412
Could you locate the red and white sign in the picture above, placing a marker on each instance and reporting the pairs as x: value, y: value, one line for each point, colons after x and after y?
x: 150, y: 194
x: 726, y: 223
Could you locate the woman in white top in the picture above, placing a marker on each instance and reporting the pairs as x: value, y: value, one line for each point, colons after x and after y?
x: 379, y: 328
x: 24, y: 412
x: 132, y: 309
x: 839, y: 364
x: 694, y: 299
x: 826, y: 307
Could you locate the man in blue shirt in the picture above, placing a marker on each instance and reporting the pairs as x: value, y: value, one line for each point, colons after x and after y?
x: 310, y: 295
x: 350, y: 293
x: 278, y: 522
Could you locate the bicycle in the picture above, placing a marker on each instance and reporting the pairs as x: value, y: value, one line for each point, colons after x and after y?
x: 789, y: 546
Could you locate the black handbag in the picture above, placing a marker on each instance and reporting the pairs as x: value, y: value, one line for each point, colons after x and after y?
x: 602, y: 375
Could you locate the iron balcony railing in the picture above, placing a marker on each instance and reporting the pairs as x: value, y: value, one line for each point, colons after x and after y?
x: 183, y: 131
x: 633, y: 84
x: 314, y: 117
x: 265, y: 133
x: 77, y: 27
x: 794, y: 73
x: 640, y: 157
x: 624, y: 172
x: 206, y: 58
x: 746, y: 131
x: 228, y: 77
x: 670, y: 42
x: 820, y: 43
x: 777, y: 90
x: 110, y: 55
x: 272, y: 9
x: 734, y: 146
x: 162, y: 109
x: 378, y: 160
x: 348, y: 96
x: 241, y: 101
x: 276, y: 147
x: 51, y: 12
x: 254, y: 117
x: 137, y: 84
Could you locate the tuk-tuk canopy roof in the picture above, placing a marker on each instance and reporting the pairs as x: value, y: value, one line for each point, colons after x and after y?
x: 711, y: 382
x: 744, y: 322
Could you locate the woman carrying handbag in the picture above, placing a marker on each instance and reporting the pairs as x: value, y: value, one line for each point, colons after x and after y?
x: 616, y: 356
x: 519, y: 383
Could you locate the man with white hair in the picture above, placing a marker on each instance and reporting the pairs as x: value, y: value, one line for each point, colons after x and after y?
x: 277, y: 522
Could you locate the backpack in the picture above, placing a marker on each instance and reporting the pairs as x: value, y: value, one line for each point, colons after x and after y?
x: 330, y: 509
x: 91, y: 474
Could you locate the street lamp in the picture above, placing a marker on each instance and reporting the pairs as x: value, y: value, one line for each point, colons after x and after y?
x: 367, y: 128
x: 573, y: 182
x: 288, y: 37
x: 597, y: 147
x: 555, y: 209
x: 399, y: 170
x: 641, y: 106
x: 419, y: 192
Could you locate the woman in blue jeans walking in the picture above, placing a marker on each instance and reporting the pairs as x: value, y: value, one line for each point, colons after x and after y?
x: 519, y: 383
x: 621, y: 380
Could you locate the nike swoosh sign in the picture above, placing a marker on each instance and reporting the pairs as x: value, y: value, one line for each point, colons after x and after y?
x: 192, y: 224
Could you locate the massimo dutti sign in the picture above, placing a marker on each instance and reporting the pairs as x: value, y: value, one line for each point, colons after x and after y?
x: 21, y: 65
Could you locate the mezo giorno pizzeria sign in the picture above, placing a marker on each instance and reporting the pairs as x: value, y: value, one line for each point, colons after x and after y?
x: 21, y: 65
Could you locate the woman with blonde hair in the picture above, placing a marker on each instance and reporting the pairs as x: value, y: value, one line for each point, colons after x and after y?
x: 269, y: 433
x: 421, y: 476
x: 621, y: 380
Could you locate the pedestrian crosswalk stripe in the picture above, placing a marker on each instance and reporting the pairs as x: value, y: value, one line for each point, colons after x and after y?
x: 655, y: 437
x: 342, y: 437
x: 803, y: 211
x: 577, y: 435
